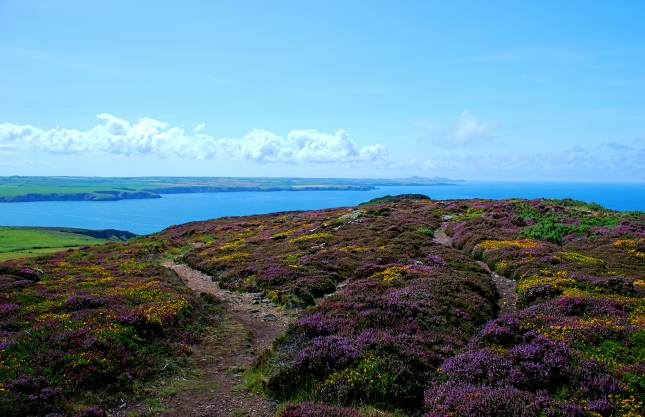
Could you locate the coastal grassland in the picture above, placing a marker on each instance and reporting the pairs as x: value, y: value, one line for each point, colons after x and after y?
x: 12, y: 187
x: 62, y: 187
x: 21, y: 242
x: 23, y: 189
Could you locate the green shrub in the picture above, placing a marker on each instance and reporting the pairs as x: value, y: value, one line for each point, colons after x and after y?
x: 425, y: 230
x: 549, y: 229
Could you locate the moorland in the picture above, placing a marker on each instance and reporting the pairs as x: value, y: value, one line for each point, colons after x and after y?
x: 401, y: 306
x: 25, y: 189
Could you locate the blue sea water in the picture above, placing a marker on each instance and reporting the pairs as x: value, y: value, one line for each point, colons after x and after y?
x: 147, y: 216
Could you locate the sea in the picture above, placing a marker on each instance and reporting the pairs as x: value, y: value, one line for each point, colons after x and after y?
x: 152, y: 215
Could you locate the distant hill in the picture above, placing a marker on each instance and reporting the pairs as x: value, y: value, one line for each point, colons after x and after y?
x: 18, y: 189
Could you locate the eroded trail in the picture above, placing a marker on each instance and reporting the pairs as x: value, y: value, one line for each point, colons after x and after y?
x: 441, y: 237
x: 505, y: 286
x: 251, y: 324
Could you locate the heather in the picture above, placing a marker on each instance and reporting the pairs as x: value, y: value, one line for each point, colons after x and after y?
x: 379, y: 339
x: 318, y: 410
x: 576, y: 347
x: 86, y: 324
x: 295, y: 258
x: 387, y: 316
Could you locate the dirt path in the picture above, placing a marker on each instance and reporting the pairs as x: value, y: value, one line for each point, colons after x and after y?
x: 505, y: 286
x: 252, y: 324
x: 441, y: 237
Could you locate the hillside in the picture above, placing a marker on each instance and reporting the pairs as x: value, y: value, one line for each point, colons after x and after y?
x: 22, y: 242
x: 403, y: 306
x: 18, y: 189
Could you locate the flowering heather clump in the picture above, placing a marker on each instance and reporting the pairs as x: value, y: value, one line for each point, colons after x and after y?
x: 29, y: 273
x: 378, y: 340
x: 575, y: 349
x: 436, y: 260
x: 300, y: 256
x: 83, y: 322
x: 93, y: 411
x: 467, y: 400
x: 318, y: 410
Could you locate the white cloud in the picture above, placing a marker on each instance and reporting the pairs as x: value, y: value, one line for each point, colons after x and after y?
x: 466, y: 130
x: 306, y: 146
x: 430, y: 164
x: 606, y: 161
x: 153, y: 137
x: 470, y: 128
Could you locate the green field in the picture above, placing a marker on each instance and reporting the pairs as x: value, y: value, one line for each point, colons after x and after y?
x: 22, y: 242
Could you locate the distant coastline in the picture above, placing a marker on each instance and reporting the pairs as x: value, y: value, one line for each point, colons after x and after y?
x: 41, y: 189
x: 89, y: 196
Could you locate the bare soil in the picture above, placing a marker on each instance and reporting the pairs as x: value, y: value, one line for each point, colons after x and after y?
x: 441, y: 237
x: 254, y: 323
x: 505, y: 288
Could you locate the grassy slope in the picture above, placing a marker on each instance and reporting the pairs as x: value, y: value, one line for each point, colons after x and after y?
x: 20, y: 242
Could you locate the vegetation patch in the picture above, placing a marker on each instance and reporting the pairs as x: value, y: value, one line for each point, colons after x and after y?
x: 21, y: 242
x: 425, y: 230
x: 389, y: 322
x: 84, y: 326
x: 582, y: 259
x: 312, y: 236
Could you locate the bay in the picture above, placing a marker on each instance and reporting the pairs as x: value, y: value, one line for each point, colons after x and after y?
x: 147, y: 216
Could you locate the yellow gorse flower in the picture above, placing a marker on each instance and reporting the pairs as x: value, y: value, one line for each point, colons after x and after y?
x: 156, y: 313
x: 312, y: 236
x: 630, y: 246
x: 236, y: 244
x: 496, y: 244
x: 53, y: 317
x: 232, y: 257
x: 391, y: 273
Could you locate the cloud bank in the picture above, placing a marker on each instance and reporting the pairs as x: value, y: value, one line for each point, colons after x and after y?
x: 148, y: 136
x: 466, y: 130
x: 605, y: 161
x: 470, y: 128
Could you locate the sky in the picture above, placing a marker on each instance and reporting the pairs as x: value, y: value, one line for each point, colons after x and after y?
x: 475, y: 90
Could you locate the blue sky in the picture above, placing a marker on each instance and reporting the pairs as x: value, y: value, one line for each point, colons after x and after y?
x: 481, y: 90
